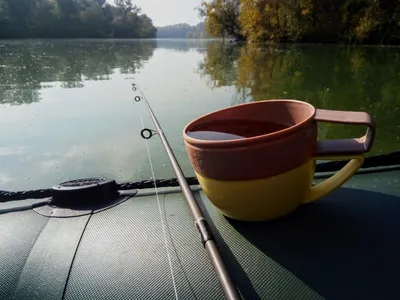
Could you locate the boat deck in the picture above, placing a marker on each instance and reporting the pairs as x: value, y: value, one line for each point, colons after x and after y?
x: 345, y: 246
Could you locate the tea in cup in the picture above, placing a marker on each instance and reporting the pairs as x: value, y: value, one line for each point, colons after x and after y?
x: 256, y: 161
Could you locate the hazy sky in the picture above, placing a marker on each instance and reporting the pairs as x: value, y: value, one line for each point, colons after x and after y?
x: 168, y: 12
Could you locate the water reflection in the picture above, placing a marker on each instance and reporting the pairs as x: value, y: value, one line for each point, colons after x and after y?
x: 331, y: 77
x: 66, y: 108
x: 28, y: 67
x: 184, y: 45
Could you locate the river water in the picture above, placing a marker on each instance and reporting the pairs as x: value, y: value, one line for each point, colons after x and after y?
x: 67, y: 109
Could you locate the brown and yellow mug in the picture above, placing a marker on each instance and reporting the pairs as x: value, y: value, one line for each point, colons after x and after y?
x: 256, y: 161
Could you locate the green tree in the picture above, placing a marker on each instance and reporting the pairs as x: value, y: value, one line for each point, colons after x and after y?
x: 146, y: 28
x: 15, y: 17
x: 73, y: 19
x: 95, y: 21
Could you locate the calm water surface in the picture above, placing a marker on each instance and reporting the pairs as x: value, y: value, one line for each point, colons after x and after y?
x: 67, y: 109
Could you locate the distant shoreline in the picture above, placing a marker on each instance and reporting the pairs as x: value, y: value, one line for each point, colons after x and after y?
x: 108, y: 39
x: 228, y: 41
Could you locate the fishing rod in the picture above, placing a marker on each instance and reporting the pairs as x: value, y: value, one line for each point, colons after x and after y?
x: 202, y: 226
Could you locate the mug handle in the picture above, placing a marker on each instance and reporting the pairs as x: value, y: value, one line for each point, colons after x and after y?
x: 341, y: 149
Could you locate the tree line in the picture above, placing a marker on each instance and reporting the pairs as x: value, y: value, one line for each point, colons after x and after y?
x: 332, y: 21
x: 182, y: 31
x: 73, y: 19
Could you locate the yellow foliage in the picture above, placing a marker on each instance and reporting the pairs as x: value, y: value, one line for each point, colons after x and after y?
x: 293, y: 20
x: 366, y: 24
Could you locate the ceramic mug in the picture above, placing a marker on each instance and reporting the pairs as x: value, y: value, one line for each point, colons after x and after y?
x: 267, y: 176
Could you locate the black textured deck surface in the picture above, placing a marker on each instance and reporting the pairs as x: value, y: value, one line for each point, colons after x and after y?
x: 345, y: 246
x: 123, y: 254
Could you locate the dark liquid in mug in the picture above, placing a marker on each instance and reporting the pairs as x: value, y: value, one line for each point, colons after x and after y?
x: 234, y: 129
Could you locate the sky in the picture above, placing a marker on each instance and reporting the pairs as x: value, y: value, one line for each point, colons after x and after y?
x: 169, y: 12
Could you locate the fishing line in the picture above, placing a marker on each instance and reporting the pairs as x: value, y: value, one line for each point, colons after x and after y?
x: 159, y: 205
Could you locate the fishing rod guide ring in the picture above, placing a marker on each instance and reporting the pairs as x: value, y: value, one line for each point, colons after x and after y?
x: 149, y: 132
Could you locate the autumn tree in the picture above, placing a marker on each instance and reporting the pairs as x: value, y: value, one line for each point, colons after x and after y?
x: 222, y: 18
x: 350, y: 21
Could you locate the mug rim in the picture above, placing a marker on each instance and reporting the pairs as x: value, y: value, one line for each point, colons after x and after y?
x: 251, y: 140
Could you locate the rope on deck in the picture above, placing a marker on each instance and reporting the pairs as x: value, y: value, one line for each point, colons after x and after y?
x: 6, y: 196
x: 384, y: 160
